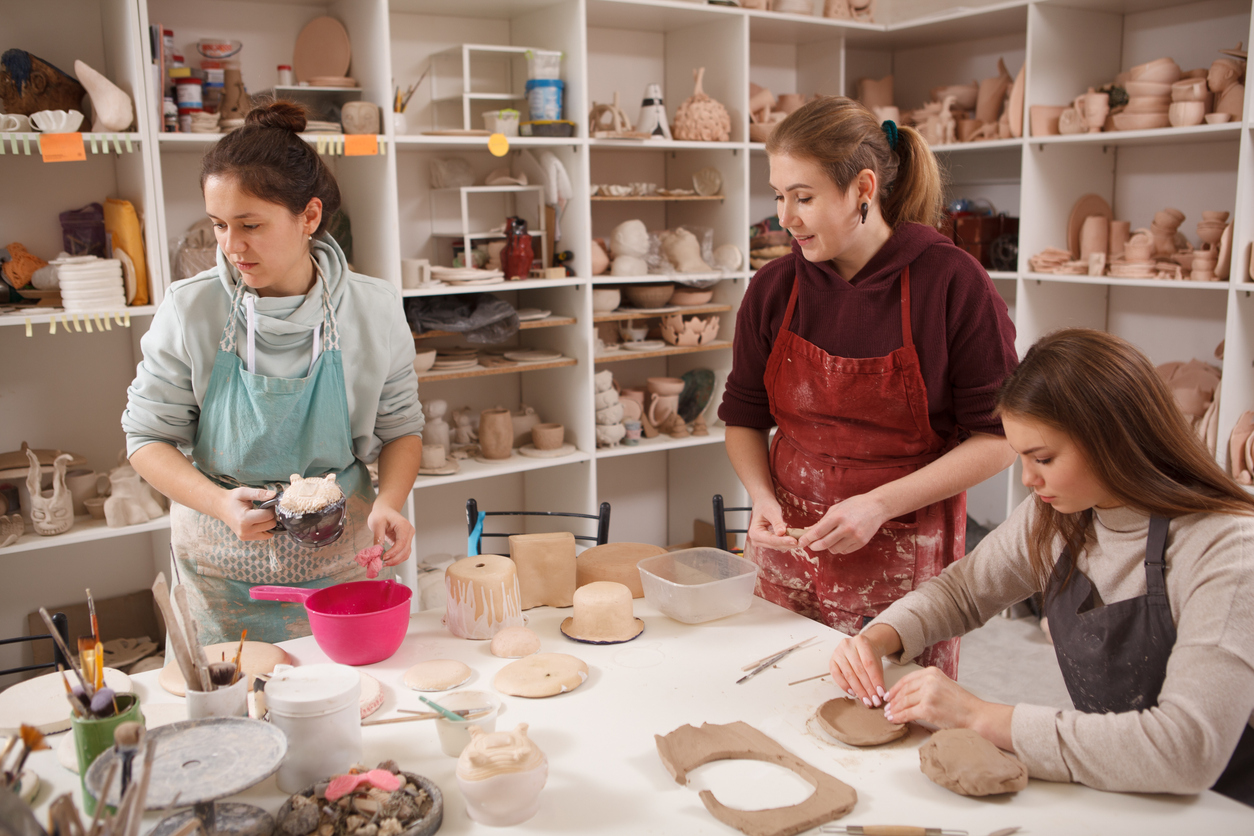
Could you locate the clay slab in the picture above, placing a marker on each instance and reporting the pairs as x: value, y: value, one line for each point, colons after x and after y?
x: 437, y: 675
x: 541, y: 675
x: 963, y: 762
x: 515, y: 643
x: 850, y: 721
x: 615, y: 562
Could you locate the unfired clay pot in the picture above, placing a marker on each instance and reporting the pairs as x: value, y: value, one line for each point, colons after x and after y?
x: 496, y: 433
x: 548, y: 436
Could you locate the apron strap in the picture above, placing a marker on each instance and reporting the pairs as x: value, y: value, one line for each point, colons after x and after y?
x: 907, y: 335
x: 792, y: 304
x: 250, y: 348
x: 1155, y: 557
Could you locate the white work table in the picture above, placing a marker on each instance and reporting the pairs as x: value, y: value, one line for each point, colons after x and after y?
x: 605, y: 775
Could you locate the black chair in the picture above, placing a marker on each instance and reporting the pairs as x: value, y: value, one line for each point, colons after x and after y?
x: 63, y: 627
x: 720, y: 523
x: 475, y: 519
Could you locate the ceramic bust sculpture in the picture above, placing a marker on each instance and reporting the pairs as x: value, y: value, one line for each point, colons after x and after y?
x: 130, y: 499
x: 501, y: 775
x: 629, y: 244
x: 110, y: 106
x: 435, y: 431
x: 29, y: 84
x: 55, y: 514
x: 1224, y: 81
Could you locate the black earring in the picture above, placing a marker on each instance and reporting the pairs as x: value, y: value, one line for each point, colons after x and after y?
x: 864, y: 210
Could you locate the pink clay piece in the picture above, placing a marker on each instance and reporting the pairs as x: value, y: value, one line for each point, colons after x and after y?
x: 372, y: 559
x: 342, y: 785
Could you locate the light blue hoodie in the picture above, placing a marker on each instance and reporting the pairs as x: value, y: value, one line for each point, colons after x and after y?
x: 163, y: 402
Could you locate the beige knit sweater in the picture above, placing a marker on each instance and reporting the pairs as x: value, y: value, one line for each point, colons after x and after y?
x: 1183, y: 744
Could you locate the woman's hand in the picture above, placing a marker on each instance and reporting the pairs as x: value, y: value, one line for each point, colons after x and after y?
x: 236, y: 509
x: 766, y: 525
x: 847, y: 526
x: 931, y: 697
x: 389, y: 525
x: 856, y: 664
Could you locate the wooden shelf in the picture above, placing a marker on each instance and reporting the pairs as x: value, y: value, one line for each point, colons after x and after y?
x: 619, y: 356
x: 548, y: 322
x: 431, y: 377
x: 85, y: 530
x: 442, y: 289
x: 622, y: 315
x: 655, y: 198
x: 470, y: 469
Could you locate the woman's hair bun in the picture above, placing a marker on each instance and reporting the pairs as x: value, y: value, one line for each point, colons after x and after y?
x: 288, y: 116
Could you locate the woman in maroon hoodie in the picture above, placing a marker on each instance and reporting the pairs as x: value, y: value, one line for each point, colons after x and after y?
x: 876, y: 348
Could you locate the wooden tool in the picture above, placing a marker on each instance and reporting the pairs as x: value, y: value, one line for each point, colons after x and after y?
x: 809, y: 678
x: 888, y: 830
x: 175, y: 641
x: 193, y: 639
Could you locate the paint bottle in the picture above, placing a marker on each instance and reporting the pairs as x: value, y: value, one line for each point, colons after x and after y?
x: 317, y: 707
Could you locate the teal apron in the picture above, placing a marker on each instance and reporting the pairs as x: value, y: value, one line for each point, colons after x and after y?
x: 257, y: 431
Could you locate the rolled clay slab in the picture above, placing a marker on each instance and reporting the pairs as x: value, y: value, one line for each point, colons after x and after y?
x: 257, y: 658
x: 437, y: 675
x: 541, y: 675
x: 852, y: 722
x: 615, y: 562
x: 515, y: 643
x: 963, y: 762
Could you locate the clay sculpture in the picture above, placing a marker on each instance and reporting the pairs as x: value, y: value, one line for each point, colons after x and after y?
x: 496, y: 433
x: 546, y: 568
x: 110, y: 106
x: 541, y: 675
x: 12, y: 527
x: 629, y: 244
x: 55, y: 514
x: 603, y: 615
x: 689, y: 747
x: 500, y: 775
x: 700, y: 118
x: 483, y: 596
x: 963, y: 762
x: 683, y: 250
x: 130, y: 499
x: 360, y: 118
x: 29, y: 84
x: 849, y: 721
x: 653, y: 122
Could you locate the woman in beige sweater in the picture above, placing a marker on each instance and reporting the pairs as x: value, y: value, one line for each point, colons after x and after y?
x: 1144, y: 550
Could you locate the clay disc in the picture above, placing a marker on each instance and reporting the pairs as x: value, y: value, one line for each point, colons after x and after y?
x: 258, y: 658
x: 155, y: 714
x: 40, y: 702
x: 515, y: 642
x: 962, y: 761
x: 322, y: 49
x: 849, y: 721
x: 615, y: 562
x: 541, y: 675
x: 371, y: 694
x: 437, y: 675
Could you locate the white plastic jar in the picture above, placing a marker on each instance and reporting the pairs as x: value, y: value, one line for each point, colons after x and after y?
x: 317, y: 707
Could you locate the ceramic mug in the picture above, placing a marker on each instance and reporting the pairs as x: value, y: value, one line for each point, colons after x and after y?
x: 415, y: 272
x: 432, y: 456
x: 226, y: 701
x: 82, y: 486
x: 661, y: 408
x: 14, y: 123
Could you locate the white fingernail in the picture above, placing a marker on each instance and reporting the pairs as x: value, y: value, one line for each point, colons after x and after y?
x: 868, y: 702
x: 877, y: 702
x: 879, y: 689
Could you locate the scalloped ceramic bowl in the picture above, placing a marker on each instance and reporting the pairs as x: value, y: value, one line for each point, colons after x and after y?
x: 1140, y: 121
x: 1161, y: 70
x: 57, y: 121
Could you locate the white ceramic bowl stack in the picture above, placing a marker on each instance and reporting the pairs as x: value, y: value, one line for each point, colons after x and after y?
x: 91, y: 284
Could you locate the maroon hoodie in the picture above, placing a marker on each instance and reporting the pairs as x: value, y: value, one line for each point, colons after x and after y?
x: 962, y: 329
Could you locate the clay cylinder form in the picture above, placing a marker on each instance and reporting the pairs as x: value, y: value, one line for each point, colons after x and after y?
x: 483, y: 596
x: 546, y: 568
x: 1093, y: 236
x: 548, y: 436
x: 496, y: 433
x: 603, y: 613
x: 1118, y: 237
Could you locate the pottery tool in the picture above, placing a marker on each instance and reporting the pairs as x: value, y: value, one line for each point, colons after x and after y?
x: 175, y: 640
x: 239, y: 653
x: 775, y: 657
x: 809, y: 678
x: 888, y: 830
x: 194, y: 647
x: 771, y: 660
x: 128, y: 737
x: 65, y: 651
x: 448, y: 715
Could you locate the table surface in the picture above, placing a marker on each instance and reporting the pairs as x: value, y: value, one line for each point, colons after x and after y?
x: 604, y: 770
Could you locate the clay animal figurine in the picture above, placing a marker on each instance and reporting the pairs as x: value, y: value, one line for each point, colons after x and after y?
x: 110, y: 106
x: 29, y: 84
x: 700, y: 118
x: 130, y: 499
x: 464, y: 427
x: 55, y: 514
x: 501, y: 775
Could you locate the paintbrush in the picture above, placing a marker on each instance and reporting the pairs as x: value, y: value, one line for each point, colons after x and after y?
x: 448, y: 715
x: 87, y: 661
x: 32, y: 741
x: 239, y: 656
x: 99, y: 646
x: 65, y: 651
x: 80, y: 710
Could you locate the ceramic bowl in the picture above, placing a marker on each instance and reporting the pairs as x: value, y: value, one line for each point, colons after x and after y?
x: 14, y: 123
x: 1186, y: 114
x: 649, y: 295
x: 548, y: 436
x: 1161, y: 70
x: 666, y: 385
x: 57, y: 121
x: 1218, y: 119
x: 1148, y: 104
x: 1169, y: 217
x: 1140, y: 121
x: 1188, y: 90
x: 1147, y: 88
x: 1043, y: 119
x: 424, y: 360
x: 689, y: 296
x: 95, y: 507
x: 606, y: 299
x: 1215, y: 216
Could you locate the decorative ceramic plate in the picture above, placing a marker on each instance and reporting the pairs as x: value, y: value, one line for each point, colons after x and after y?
x: 322, y: 49
x: 1086, y: 206
x: 536, y: 453
x: 645, y: 345
x: 532, y: 314
x: 1015, y: 108
x: 533, y: 356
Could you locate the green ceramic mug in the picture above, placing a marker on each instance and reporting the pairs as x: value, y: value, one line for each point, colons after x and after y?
x: 93, y: 736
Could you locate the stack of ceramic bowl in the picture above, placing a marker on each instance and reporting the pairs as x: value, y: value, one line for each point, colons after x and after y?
x: 1190, y: 102
x: 1138, y: 258
x: 1210, y: 229
x: 91, y: 284
x: 1149, y: 96
x: 1164, y: 227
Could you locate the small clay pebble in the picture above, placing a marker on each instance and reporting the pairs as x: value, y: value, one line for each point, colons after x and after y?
x: 352, y: 823
x: 390, y: 827
x: 326, y: 830
x: 369, y: 830
x: 391, y: 766
x: 303, y: 820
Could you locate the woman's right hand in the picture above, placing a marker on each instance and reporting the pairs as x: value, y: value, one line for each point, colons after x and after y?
x: 857, y: 667
x: 766, y: 525
x: 249, y: 522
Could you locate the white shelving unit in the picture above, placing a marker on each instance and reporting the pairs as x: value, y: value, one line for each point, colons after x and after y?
x: 68, y: 389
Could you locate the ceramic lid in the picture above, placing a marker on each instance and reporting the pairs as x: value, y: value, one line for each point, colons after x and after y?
x: 312, y: 690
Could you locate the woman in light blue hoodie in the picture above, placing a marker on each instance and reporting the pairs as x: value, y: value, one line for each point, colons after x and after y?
x: 243, y: 384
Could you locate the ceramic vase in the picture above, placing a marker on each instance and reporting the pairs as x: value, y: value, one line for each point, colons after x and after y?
x: 496, y: 433
x: 110, y: 106
x: 518, y: 254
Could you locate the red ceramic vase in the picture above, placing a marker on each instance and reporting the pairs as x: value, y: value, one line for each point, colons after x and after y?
x: 518, y: 254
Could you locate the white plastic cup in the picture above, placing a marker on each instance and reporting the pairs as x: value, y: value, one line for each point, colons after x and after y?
x: 316, y: 706
x: 455, y: 736
x: 230, y: 701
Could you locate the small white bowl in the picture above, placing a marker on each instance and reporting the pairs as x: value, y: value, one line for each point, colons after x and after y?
x: 57, y: 121
x: 1218, y: 118
x: 424, y: 360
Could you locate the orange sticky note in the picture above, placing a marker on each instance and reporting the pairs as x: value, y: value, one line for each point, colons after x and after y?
x: 361, y: 145
x: 62, y: 148
x: 498, y: 145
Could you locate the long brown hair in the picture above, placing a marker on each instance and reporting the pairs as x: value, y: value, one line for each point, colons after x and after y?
x: 845, y: 137
x: 1109, y: 400
x: 269, y: 160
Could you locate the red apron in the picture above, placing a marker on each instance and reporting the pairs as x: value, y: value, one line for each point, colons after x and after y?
x: 847, y: 426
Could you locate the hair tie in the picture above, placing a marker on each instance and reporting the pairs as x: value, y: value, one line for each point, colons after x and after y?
x: 890, y: 130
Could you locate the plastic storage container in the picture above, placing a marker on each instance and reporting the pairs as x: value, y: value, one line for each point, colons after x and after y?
x: 695, y: 585
x: 544, y: 98
x: 316, y: 706
x: 544, y: 63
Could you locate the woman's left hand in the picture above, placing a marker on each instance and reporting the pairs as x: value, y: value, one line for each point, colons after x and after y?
x: 847, y: 526
x: 389, y: 525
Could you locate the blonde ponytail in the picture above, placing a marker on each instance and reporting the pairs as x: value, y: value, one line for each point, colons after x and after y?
x: 844, y: 137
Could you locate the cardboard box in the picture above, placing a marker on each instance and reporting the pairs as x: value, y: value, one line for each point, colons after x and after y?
x: 125, y: 617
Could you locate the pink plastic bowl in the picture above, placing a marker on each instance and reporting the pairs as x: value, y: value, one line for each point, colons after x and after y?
x: 357, y: 623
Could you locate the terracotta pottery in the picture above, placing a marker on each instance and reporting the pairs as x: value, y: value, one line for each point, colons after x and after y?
x: 1094, y: 236
x: 992, y: 94
x: 665, y: 385
x: 1093, y: 108
x: 701, y: 118
x: 876, y: 92
x: 1043, y: 119
x: 788, y: 102
x: 603, y: 615
x: 1186, y: 114
x: 548, y: 436
x: 496, y: 433
x: 1117, y: 237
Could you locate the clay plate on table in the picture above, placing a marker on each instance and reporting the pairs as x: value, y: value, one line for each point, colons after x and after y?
x: 1089, y: 204
x: 40, y: 702
x: 566, y: 624
x: 371, y: 694
x: 258, y: 658
x: 322, y: 49
x: 534, y: 452
x: 541, y: 675
x: 1015, y: 108
x: 437, y: 675
x: 849, y: 721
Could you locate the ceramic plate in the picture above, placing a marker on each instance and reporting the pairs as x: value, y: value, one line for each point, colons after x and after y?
x: 1016, y: 104
x: 537, y: 356
x: 644, y: 345
x: 567, y: 622
x: 322, y: 49
x: 532, y: 314
x: 535, y: 452
x: 1089, y: 204
x: 648, y: 311
x: 450, y: 467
